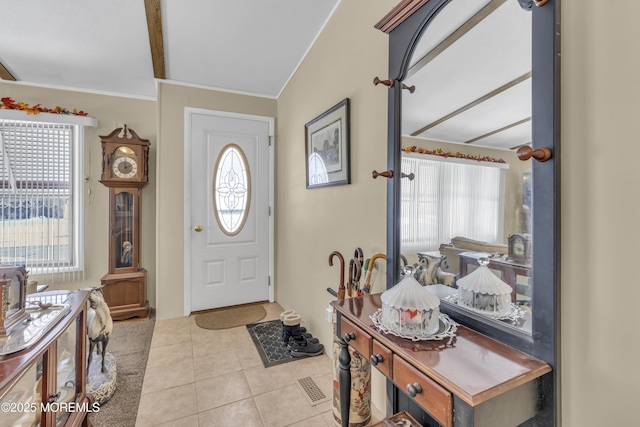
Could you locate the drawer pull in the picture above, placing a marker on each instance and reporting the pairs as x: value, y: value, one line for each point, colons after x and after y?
x: 349, y: 336
x: 376, y: 358
x: 414, y: 389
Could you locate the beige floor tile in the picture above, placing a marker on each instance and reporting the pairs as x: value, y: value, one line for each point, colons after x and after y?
x: 211, y: 344
x: 243, y: 413
x: 316, y: 366
x: 317, y: 421
x: 221, y: 390
x: 167, y: 405
x: 249, y: 356
x: 325, y: 383
x: 190, y: 421
x: 216, y: 364
x: 284, y: 406
x: 163, y: 377
x: 262, y: 380
x: 169, y: 354
x: 171, y: 331
x: 329, y: 419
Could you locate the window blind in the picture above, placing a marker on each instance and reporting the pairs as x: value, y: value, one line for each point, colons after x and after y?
x: 38, y: 198
x: 448, y: 199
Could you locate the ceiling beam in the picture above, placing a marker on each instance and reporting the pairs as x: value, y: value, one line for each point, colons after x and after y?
x: 154, y: 26
x: 455, y: 36
x: 5, y: 74
x: 472, y: 104
x: 519, y: 122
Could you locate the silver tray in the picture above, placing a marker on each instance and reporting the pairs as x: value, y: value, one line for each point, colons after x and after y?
x: 26, y: 333
x: 447, y: 328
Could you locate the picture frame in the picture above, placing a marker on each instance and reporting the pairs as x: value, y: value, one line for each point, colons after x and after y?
x: 327, y: 147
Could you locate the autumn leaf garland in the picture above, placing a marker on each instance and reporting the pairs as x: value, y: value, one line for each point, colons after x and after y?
x: 457, y: 154
x: 7, y: 103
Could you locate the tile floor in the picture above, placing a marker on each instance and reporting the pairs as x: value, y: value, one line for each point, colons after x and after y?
x: 199, y: 378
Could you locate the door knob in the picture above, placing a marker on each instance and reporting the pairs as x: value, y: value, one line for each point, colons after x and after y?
x: 197, y: 228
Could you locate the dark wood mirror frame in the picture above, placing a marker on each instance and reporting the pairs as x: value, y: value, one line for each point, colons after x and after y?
x: 405, y: 24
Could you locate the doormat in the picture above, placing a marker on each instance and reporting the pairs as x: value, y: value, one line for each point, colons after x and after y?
x: 230, y: 317
x: 267, y: 337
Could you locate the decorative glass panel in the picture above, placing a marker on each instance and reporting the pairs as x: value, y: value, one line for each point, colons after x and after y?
x: 231, y: 189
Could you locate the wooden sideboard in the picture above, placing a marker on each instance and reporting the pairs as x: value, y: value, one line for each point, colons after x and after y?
x: 52, y: 370
x: 470, y: 380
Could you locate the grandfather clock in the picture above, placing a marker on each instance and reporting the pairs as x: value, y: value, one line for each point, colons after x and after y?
x: 125, y: 170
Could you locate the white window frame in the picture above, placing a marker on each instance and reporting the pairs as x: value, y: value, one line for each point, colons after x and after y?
x: 77, y: 183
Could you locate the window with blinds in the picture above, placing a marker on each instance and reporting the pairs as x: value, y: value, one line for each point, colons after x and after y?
x: 40, y: 197
x: 450, y: 197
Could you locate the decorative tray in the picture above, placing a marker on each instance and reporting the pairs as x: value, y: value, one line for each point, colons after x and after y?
x: 515, y: 315
x: 447, y: 328
x: 28, y: 332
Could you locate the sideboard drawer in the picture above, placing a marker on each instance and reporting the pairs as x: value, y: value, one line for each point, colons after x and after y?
x: 383, y: 358
x: 361, y: 340
x: 430, y: 395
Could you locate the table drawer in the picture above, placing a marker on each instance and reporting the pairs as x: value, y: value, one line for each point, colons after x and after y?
x: 430, y: 395
x: 382, y: 358
x: 361, y: 340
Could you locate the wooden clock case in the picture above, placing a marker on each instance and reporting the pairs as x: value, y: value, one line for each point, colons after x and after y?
x: 125, y: 283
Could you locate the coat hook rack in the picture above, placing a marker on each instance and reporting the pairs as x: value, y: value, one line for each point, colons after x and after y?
x: 411, y: 88
x: 385, y: 174
x: 526, y: 152
x: 408, y: 175
x: 388, y: 83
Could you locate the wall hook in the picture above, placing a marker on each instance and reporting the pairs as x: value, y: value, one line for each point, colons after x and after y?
x: 388, y: 83
x: 540, y: 3
x: 526, y: 152
x: 385, y: 174
x: 411, y: 88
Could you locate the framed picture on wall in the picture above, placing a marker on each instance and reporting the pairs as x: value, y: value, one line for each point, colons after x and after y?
x: 327, y: 147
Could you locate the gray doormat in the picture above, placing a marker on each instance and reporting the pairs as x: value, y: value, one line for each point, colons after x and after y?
x: 267, y: 337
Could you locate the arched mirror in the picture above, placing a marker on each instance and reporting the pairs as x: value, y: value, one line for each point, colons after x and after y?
x: 470, y: 196
x: 484, y: 74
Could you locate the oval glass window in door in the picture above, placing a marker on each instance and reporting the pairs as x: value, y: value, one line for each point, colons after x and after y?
x: 231, y: 189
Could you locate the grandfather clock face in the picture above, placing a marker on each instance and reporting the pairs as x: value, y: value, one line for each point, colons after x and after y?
x: 124, y: 163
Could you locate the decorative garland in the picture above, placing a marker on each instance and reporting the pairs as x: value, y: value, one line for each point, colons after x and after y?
x: 7, y: 103
x: 457, y: 154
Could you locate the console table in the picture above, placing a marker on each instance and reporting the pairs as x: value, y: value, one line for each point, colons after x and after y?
x: 470, y: 380
x: 512, y: 273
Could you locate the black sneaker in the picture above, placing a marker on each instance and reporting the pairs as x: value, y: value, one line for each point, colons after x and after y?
x: 308, y: 349
x: 294, y: 342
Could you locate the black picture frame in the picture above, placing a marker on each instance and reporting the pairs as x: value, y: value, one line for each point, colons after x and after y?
x: 327, y: 147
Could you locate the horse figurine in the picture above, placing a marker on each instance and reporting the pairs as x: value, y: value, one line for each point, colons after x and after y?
x: 99, y: 324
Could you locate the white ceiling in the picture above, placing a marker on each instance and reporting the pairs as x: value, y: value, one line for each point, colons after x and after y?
x: 493, y: 53
x: 251, y: 46
x: 255, y: 46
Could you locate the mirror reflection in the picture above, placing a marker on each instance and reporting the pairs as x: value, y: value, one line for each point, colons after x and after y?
x: 471, y: 110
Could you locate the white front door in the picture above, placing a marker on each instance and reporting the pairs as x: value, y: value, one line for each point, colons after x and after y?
x: 229, y: 224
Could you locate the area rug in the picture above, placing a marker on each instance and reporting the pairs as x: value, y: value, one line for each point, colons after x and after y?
x: 267, y: 337
x: 129, y: 344
x: 230, y: 317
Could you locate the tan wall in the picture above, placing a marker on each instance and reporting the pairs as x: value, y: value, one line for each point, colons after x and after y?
x: 140, y: 116
x: 600, y: 210
x: 172, y: 101
x: 310, y: 224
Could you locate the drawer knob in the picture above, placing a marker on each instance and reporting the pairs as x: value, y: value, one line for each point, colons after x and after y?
x: 414, y: 389
x: 376, y: 358
x: 349, y: 336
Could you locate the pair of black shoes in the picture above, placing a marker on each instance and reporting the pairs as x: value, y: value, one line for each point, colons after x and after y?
x: 295, y: 337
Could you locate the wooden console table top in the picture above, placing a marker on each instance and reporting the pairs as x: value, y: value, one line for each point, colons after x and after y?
x: 472, y: 366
